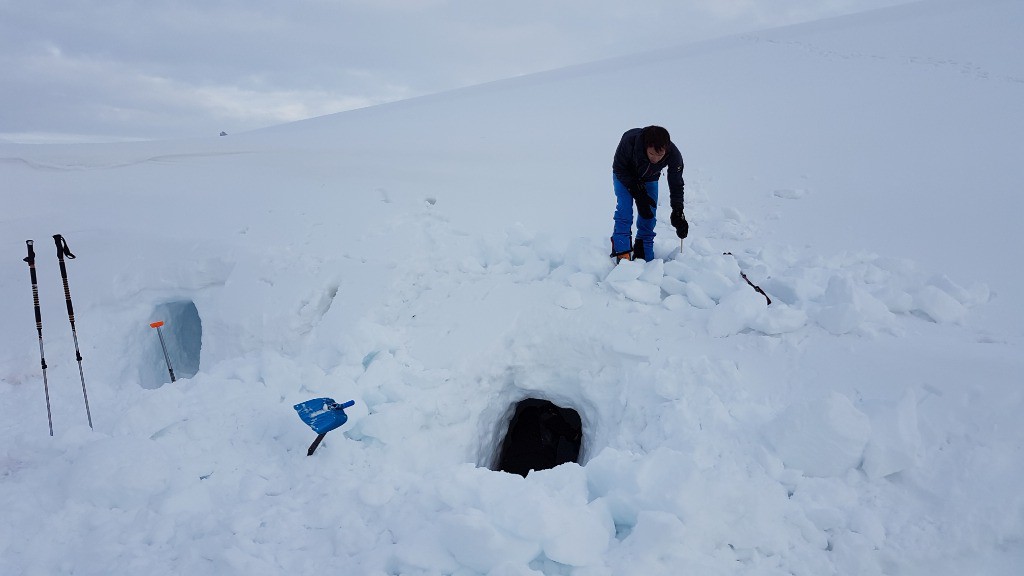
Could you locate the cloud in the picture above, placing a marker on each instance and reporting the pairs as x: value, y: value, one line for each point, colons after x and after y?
x: 50, y: 90
x: 167, y: 68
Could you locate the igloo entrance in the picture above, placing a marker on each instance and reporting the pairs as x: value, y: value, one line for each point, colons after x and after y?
x: 540, y: 435
x: 183, y: 334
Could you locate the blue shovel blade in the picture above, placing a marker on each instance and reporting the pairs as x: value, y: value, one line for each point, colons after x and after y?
x: 323, y: 414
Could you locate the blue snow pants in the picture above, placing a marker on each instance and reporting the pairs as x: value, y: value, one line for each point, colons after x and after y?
x: 622, y: 233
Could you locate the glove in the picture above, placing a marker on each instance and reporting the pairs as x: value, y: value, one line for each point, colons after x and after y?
x: 678, y: 220
x: 644, y: 203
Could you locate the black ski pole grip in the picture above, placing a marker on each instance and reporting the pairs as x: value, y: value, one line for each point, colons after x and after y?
x: 31, y: 259
x: 62, y: 251
x: 62, y: 247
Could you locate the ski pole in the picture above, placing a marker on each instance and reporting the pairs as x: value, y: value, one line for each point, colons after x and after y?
x: 31, y: 259
x: 62, y: 251
x: 167, y: 358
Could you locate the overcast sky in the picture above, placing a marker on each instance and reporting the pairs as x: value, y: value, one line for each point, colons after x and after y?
x: 111, y: 69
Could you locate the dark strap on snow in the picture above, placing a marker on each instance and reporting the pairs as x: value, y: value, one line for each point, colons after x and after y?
x: 756, y: 287
x: 752, y: 285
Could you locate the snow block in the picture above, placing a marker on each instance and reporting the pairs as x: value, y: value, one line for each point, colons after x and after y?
x: 540, y: 436
x: 847, y: 306
x: 474, y: 541
x: 895, y: 436
x: 638, y: 281
x: 939, y: 306
x: 823, y: 438
x: 735, y: 312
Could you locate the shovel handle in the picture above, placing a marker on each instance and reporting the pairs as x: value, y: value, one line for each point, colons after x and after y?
x: 313, y: 446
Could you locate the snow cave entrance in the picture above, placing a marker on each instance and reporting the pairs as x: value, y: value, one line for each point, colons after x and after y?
x: 183, y: 334
x: 540, y: 435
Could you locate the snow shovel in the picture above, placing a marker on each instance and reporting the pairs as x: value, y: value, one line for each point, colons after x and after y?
x: 322, y: 415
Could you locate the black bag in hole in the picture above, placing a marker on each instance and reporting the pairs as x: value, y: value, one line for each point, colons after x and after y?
x: 540, y: 436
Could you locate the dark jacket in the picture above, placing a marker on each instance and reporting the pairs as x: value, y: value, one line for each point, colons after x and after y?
x: 631, y: 166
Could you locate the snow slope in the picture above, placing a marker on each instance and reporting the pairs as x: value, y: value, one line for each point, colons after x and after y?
x: 440, y: 258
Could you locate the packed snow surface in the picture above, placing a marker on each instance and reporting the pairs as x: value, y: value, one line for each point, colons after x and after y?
x: 439, y: 259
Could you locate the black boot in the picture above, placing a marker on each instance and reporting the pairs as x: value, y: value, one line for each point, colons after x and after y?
x: 638, y: 250
x: 620, y: 256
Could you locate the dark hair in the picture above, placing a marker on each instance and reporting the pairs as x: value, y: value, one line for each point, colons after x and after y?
x: 656, y: 137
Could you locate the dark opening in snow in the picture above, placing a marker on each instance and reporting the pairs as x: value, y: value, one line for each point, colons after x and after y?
x: 183, y: 335
x: 540, y: 436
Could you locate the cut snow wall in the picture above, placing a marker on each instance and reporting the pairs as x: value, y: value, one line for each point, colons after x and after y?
x: 183, y: 335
